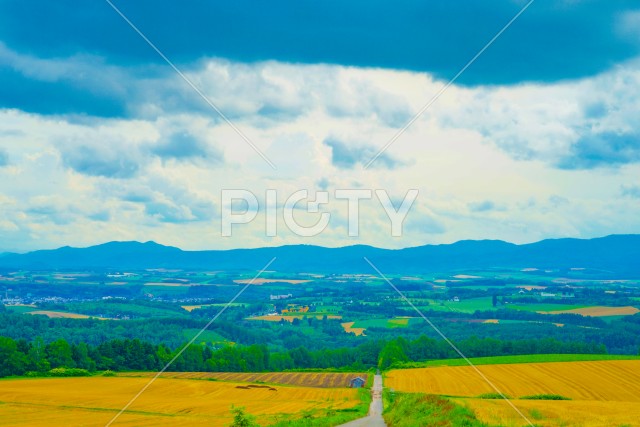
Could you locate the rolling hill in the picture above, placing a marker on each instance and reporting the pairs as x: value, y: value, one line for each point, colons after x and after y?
x: 616, y: 254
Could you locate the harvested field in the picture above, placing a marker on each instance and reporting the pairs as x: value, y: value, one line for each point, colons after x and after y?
x: 350, y: 330
x: 610, y: 380
x: 263, y: 281
x: 602, y: 393
x: 167, y: 402
x: 168, y: 284
x: 532, y: 287
x: 553, y: 413
x: 598, y: 311
x: 306, y: 379
x: 190, y: 308
x: 58, y: 314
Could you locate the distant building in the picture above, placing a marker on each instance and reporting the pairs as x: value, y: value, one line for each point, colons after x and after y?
x: 456, y: 299
x: 279, y: 297
x: 547, y: 294
x: 357, y: 382
x: 293, y: 308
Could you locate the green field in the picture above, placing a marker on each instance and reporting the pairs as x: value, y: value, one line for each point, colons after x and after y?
x: 20, y: 308
x: 396, y: 322
x: 113, y: 309
x: 207, y: 337
x: 469, y: 306
x: 544, y: 307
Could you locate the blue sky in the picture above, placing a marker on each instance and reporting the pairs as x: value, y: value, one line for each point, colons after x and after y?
x: 101, y: 140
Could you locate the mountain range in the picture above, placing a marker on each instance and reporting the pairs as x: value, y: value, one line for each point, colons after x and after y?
x: 617, y: 254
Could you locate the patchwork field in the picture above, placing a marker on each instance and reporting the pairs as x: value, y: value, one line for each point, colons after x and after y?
x: 599, y: 311
x: 264, y: 281
x: 291, y: 317
x: 170, y: 402
x: 306, y: 379
x: 360, y: 326
x: 58, y: 314
x: 602, y: 393
x: 348, y: 328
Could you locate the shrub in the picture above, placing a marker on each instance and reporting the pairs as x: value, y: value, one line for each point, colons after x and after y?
x: 545, y: 397
x: 69, y: 372
x: 108, y: 373
x: 242, y: 419
x: 492, y: 396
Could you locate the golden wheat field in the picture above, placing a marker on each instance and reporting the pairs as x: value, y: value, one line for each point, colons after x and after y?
x: 305, y: 379
x: 58, y: 314
x: 599, y: 311
x: 171, y: 402
x: 603, y: 393
x: 553, y: 413
x: 348, y: 328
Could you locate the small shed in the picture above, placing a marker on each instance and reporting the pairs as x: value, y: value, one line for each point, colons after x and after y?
x: 357, y: 382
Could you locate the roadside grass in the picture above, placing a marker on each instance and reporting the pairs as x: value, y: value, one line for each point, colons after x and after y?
x: 325, y: 417
x: 418, y: 409
x: 527, y: 358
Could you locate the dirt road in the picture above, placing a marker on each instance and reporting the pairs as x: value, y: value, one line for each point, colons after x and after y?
x: 374, y: 419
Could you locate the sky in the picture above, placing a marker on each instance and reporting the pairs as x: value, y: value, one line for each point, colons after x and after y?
x: 101, y: 139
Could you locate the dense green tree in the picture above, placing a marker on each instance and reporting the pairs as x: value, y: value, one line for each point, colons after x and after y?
x: 12, y: 361
x: 392, y: 353
x: 37, y: 357
x: 59, y: 354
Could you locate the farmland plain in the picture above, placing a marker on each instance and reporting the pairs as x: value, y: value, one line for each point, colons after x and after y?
x: 599, y: 393
x: 170, y: 402
x: 304, y: 379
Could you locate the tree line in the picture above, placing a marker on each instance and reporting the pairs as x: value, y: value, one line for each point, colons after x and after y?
x: 20, y: 357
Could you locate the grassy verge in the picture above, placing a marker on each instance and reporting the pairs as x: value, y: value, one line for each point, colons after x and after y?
x: 325, y: 417
x: 418, y: 409
x: 528, y: 358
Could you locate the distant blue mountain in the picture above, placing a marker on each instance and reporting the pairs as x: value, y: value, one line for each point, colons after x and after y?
x: 619, y: 254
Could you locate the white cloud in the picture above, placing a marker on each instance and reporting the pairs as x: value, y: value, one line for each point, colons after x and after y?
x: 486, y: 160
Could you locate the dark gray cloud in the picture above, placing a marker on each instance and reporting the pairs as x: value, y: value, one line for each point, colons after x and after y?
x: 186, y: 209
x: 603, y: 149
x: 100, y: 160
x: 423, y: 223
x: 556, y: 200
x: 184, y: 146
x: 53, y: 212
x: 632, y: 191
x: 483, y: 206
x: 163, y: 200
x: 346, y: 156
x: 101, y: 216
x: 323, y: 183
x: 579, y: 38
x: 4, y: 158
